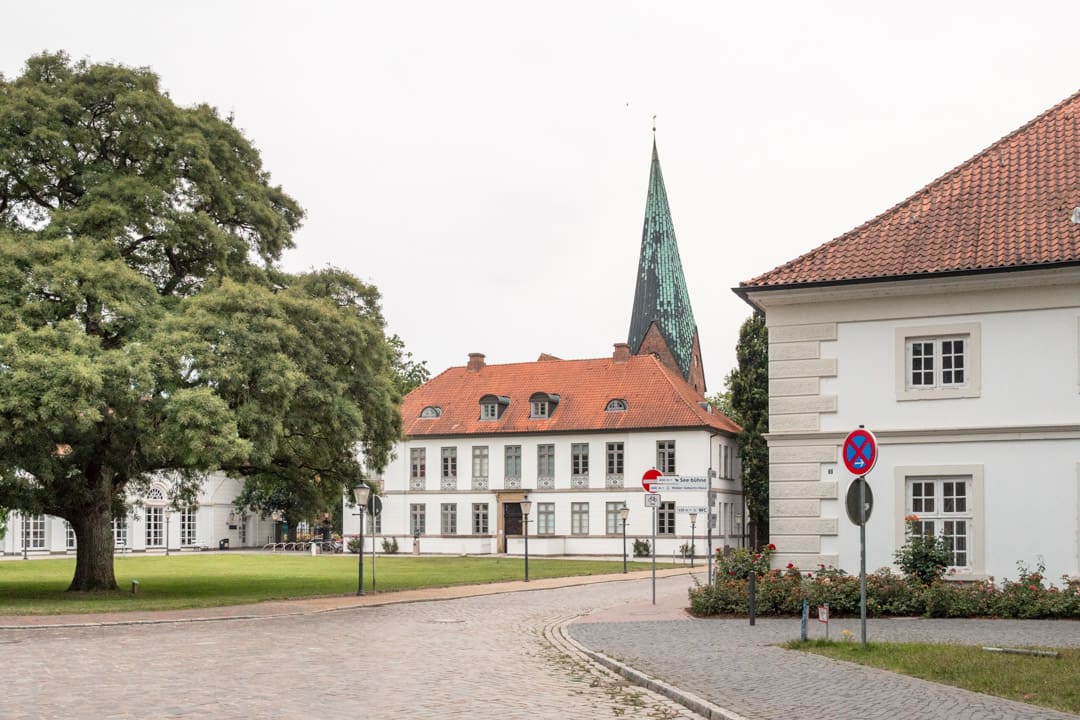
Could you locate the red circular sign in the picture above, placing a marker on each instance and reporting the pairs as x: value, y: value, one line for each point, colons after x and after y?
x: 648, y: 477
x: 859, y: 451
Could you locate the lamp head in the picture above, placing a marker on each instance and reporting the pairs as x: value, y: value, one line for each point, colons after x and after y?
x: 361, y: 492
x: 624, y: 512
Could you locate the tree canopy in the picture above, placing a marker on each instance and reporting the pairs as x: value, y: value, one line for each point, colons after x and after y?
x: 145, y: 329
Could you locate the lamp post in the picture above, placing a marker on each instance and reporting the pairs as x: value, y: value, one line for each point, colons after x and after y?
x: 624, y: 512
x: 168, y: 516
x: 693, y: 521
x: 526, y: 508
x: 361, y: 492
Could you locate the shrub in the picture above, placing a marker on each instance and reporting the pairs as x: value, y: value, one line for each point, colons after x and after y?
x: 740, y: 562
x: 686, y: 550
x: 389, y: 545
x: 641, y: 548
x: 354, y: 545
x: 923, y: 556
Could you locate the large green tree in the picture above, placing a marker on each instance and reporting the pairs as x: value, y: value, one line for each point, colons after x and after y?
x: 745, y: 399
x: 145, y: 330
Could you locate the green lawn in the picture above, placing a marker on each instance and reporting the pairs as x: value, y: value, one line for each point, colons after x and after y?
x: 1049, y: 682
x: 37, y: 587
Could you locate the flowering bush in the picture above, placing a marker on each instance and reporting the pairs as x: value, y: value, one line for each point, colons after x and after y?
x: 740, y: 562
x: 782, y: 591
x: 922, y: 557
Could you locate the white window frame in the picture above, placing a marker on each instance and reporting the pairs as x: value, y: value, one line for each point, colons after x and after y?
x: 448, y: 519
x: 418, y: 518
x: 579, y: 518
x: 512, y: 466
x: 481, y: 519
x: 974, y: 514
x: 545, y: 465
x: 120, y: 532
x: 489, y: 411
x: 480, y: 467
x: 613, y: 517
x: 70, y: 541
x: 906, y: 336
x: 665, y: 457
x: 539, y: 409
x: 665, y: 519
x: 417, y: 468
x: 155, y: 526
x: 189, y: 527
x: 33, y: 532
x: 545, y: 518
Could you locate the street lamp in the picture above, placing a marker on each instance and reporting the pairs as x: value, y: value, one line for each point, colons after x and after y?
x: 624, y: 512
x: 361, y: 492
x: 693, y: 521
x: 168, y: 516
x: 526, y: 508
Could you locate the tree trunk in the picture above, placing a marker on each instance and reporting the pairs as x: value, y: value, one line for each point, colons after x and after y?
x: 93, y: 533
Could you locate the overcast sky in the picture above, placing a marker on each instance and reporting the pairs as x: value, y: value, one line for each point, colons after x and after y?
x: 485, y: 163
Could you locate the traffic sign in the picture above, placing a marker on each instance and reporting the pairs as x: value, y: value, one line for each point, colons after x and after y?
x: 688, y: 509
x: 374, y: 507
x: 652, y: 501
x: 648, y: 477
x: 679, y: 482
x: 860, y: 451
x: 852, y: 501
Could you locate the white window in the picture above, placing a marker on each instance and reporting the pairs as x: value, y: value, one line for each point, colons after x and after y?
x: 417, y: 468
x: 489, y: 411
x: 579, y: 518
x: 119, y: 532
x: 480, y: 467
x: 480, y: 518
x: 665, y: 519
x: 188, y: 528
x: 616, y: 405
x: 545, y: 518
x: 449, y: 469
x: 545, y: 466
x: 665, y: 456
x: 938, y: 362
x: 431, y: 412
x: 155, y: 520
x: 69, y: 536
x: 579, y: 465
x: 33, y: 529
x: 418, y: 519
x: 945, y: 508
x: 613, y: 517
x: 449, y: 519
x: 538, y: 409
x: 512, y: 466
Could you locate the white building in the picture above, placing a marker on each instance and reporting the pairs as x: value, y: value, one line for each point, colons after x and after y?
x: 574, y: 437
x: 949, y: 327
x: 151, y: 524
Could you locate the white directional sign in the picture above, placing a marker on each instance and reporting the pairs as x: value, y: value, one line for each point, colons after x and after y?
x: 679, y: 482
x: 699, y: 509
x: 652, y: 501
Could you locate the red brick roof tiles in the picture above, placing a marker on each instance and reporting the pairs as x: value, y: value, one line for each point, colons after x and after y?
x: 1007, y: 207
x: 656, y: 398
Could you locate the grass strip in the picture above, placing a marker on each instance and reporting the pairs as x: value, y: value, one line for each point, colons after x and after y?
x: 1052, y: 682
x: 192, y: 580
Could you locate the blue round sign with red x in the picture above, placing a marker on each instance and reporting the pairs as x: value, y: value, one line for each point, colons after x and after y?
x: 860, y: 451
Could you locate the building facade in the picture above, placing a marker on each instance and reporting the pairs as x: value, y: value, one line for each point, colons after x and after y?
x: 950, y: 327
x: 151, y: 524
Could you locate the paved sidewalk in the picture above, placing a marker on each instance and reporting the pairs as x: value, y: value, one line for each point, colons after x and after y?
x: 740, y: 668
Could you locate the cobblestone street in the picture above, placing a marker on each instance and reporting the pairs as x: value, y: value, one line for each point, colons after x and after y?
x: 465, y: 658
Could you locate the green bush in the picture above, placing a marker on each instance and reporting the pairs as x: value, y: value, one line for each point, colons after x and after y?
x: 389, y: 545
x: 781, y: 592
x: 354, y: 545
x: 642, y: 548
x: 740, y: 562
x: 923, y: 557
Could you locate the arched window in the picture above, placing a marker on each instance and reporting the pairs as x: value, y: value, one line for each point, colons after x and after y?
x: 431, y: 411
x: 616, y: 405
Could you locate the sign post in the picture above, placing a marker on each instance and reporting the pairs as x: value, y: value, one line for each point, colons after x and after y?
x: 860, y: 455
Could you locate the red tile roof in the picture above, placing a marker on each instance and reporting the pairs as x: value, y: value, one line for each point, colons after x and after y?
x: 656, y: 398
x: 1008, y: 207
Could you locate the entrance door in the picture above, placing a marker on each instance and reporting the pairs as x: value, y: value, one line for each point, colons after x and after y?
x: 512, y: 518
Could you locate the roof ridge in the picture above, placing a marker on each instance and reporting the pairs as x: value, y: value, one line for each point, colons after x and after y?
x: 924, y: 190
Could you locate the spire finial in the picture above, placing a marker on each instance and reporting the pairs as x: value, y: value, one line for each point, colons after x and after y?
x: 654, y: 125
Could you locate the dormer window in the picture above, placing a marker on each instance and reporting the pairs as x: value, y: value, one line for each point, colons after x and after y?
x: 431, y: 412
x: 616, y: 405
x: 492, y: 406
x: 542, y: 405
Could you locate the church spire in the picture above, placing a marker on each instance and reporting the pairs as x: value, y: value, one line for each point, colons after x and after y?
x: 662, y: 321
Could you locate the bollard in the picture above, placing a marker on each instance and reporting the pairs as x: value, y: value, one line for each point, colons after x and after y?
x: 134, y: 586
x: 805, y: 617
x: 753, y: 598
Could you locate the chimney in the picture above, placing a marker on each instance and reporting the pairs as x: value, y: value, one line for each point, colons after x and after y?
x: 476, y: 361
x: 622, y: 353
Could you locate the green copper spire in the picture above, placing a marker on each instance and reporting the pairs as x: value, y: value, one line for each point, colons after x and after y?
x: 661, y: 297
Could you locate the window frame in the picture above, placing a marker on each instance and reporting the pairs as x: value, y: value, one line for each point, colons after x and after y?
x: 975, y: 515
x: 448, y: 518
x: 545, y: 518
x: 417, y: 518
x: 511, y: 462
x: 33, y: 531
x: 481, y: 519
x: 614, y: 463
x: 545, y: 465
x: 154, y: 529
x: 906, y: 336
x: 665, y: 519
x: 579, y: 518
x: 665, y: 457
x: 189, y: 527
x: 448, y: 468
x: 481, y: 467
x: 613, y: 517
x: 417, y: 468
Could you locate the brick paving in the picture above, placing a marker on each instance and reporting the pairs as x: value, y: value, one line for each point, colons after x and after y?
x: 740, y: 668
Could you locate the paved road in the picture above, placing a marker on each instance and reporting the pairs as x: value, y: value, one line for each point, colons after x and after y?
x: 739, y: 667
x: 461, y: 658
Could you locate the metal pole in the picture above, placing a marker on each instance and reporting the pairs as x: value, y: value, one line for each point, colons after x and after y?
x: 374, y: 536
x: 862, y: 557
x: 753, y: 597
x: 624, y: 546
x: 525, y: 532
x: 691, y: 544
x: 25, y: 527
x: 360, y: 554
x: 168, y: 516
x: 654, y: 554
